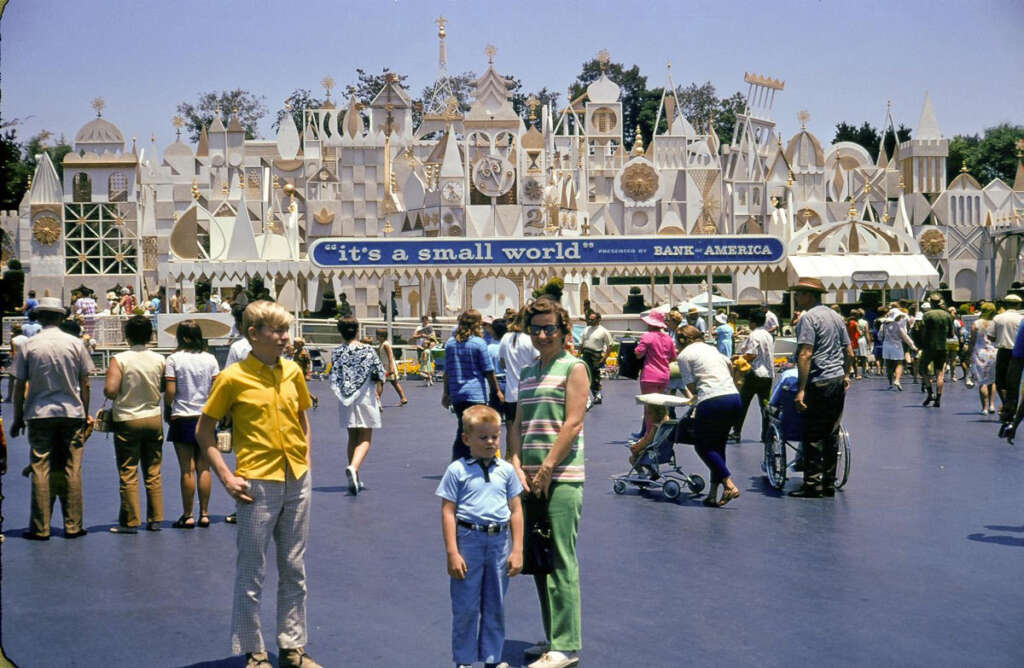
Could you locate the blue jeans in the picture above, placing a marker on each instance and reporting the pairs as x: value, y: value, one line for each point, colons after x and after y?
x: 478, y: 602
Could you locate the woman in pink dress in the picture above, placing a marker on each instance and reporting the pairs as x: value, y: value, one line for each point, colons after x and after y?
x: 657, y: 349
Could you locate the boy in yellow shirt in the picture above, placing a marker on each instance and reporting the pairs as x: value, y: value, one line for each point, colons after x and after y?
x: 267, y: 399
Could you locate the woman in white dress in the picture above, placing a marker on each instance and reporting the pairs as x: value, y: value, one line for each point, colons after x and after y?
x: 983, y: 358
x: 894, y: 335
x: 357, y: 380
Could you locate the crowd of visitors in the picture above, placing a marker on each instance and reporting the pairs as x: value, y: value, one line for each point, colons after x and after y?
x: 522, y: 371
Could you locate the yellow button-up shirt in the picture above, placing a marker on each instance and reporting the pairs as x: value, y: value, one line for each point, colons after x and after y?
x: 265, y: 404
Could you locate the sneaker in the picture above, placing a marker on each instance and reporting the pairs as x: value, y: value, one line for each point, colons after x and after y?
x: 555, y: 659
x: 536, y: 650
x: 257, y: 660
x: 231, y: 519
x: 898, y: 386
x: 598, y: 398
x: 296, y: 658
x: 969, y: 383
x: 353, y: 480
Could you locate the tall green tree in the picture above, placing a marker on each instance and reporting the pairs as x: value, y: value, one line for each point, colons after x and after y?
x: 299, y: 100
x: 867, y: 136
x: 367, y: 85
x: 993, y: 155
x: 43, y: 142
x: 249, y: 105
x: 13, y: 171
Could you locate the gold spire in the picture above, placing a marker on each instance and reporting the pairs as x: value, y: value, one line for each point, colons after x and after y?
x: 638, y: 142
x: 602, y: 59
x: 490, y: 51
x: 328, y: 83
x: 441, y: 23
x: 178, y: 122
x: 963, y: 167
x: 98, y: 104
x: 532, y: 102
x: 195, y: 190
x: 853, y: 209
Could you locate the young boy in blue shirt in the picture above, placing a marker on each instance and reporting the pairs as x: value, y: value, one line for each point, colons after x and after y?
x: 482, y: 524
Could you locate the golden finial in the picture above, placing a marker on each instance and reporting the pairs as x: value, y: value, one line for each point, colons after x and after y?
x: 287, y: 104
x: 234, y: 110
x: 853, y: 209
x: 963, y: 167
x: 289, y: 190
x: 276, y: 183
x: 867, y: 188
x: 490, y: 51
x: 29, y: 186
x: 98, y: 104
x: 900, y: 183
x: 195, y: 190
x: 803, y: 116
x: 789, y: 178
x: 638, y: 142
x: 602, y: 59
x: 178, y: 122
x: 885, y: 217
x: 225, y: 188
x: 388, y: 229
x: 1020, y: 148
x: 328, y: 83
x: 532, y: 102
x: 441, y: 23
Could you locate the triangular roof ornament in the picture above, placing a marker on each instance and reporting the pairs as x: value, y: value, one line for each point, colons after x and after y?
x: 242, y: 245
x: 927, y: 127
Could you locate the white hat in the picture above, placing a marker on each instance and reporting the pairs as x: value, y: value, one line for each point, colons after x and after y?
x: 925, y: 306
x: 721, y: 319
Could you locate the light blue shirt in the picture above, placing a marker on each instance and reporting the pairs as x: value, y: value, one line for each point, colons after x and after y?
x: 723, y: 339
x: 476, y: 500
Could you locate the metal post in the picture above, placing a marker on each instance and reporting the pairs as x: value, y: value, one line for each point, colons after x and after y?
x: 710, y: 279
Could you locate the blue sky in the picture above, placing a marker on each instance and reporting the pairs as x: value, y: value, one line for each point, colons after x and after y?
x: 840, y: 60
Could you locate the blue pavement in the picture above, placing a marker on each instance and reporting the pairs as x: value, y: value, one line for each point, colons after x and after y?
x: 916, y: 563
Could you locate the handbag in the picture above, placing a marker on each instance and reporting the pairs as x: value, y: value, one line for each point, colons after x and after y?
x: 538, y: 548
x: 224, y: 440
x: 104, y: 420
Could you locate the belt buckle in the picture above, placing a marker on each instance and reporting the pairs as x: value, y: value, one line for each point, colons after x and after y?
x: 492, y: 528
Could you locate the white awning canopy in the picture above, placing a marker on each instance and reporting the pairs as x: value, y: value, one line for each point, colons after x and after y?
x: 840, y: 272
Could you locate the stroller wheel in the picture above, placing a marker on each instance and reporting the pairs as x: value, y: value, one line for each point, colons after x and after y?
x: 619, y: 487
x: 671, y: 490
x: 696, y: 484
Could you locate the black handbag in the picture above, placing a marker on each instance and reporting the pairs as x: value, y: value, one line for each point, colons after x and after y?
x: 538, y: 548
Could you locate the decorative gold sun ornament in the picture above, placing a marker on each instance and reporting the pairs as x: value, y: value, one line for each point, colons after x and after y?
x: 640, y: 182
x: 803, y: 117
x: 98, y: 104
x: 602, y: 59
x: 490, y: 52
x: 328, y: 83
x: 933, y: 242
x: 533, y: 189
x: 46, y: 230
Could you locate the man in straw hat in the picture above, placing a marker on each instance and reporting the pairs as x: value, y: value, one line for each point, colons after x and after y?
x: 56, y: 367
x: 824, y: 356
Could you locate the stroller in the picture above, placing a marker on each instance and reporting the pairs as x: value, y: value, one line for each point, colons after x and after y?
x: 783, y: 434
x: 319, y: 363
x: 655, y: 466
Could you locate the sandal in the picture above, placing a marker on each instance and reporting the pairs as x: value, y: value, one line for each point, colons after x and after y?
x: 204, y: 521
x: 152, y: 526
x: 728, y: 495
x: 710, y: 502
x: 184, y: 522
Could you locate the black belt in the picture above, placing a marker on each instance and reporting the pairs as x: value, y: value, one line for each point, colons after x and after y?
x: 492, y: 528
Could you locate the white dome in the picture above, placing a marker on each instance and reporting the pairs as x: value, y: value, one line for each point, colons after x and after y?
x: 99, y: 131
x: 603, y: 90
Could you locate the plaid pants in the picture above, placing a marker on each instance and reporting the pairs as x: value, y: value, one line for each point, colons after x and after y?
x: 279, y: 511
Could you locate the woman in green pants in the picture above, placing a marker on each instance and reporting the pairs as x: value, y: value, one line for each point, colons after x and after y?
x: 546, y: 449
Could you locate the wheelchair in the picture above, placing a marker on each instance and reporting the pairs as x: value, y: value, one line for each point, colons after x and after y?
x: 783, y: 451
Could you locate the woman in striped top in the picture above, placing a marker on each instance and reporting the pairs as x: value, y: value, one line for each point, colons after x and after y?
x: 546, y: 449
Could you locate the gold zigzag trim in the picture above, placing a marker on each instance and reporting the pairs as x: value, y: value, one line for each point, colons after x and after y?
x: 759, y: 80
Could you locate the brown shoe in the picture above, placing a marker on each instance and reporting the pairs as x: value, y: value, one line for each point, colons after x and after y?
x: 257, y: 660
x: 296, y: 658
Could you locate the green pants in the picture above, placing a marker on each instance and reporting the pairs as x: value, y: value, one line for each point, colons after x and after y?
x: 559, y: 592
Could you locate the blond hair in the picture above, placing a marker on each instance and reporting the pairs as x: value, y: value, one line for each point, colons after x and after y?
x: 265, y: 313
x: 479, y: 414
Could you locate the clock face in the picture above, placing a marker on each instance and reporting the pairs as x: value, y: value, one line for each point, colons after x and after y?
x: 493, y: 176
x: 452, y: 192
x: 640, y: 182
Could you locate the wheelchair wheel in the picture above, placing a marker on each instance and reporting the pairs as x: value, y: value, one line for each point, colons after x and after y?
x: 619, y: 487
x: 775, y: 457
x: 696, y: 484
x: 843, y: 458
x: 671, y: 490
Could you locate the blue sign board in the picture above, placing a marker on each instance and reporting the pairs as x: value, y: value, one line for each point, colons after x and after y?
x: 534, y: 251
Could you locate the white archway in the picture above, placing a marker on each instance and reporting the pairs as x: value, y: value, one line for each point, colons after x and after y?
x: 965, y: 285
x: 492, y: 295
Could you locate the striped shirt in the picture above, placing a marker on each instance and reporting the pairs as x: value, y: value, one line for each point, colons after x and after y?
x: 542, y: 407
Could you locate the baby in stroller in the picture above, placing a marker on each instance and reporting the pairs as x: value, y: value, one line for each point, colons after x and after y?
x: 653, y: 459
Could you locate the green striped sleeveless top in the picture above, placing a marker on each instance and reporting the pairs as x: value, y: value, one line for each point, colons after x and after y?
x: 542, y: 407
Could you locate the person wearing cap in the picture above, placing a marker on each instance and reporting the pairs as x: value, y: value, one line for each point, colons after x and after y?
x: 723, y: 334
x: 595, y: 342
x: 936, y: 329
x: 757, y: 350
x: 657, y: 349
x: 1005, y: 326
x: 56, y: 367
x: 823, y: 357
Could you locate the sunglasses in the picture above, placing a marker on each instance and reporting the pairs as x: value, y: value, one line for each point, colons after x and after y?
x: 548, y: 330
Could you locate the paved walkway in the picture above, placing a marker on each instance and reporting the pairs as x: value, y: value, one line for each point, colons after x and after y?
x: 917, y: 563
